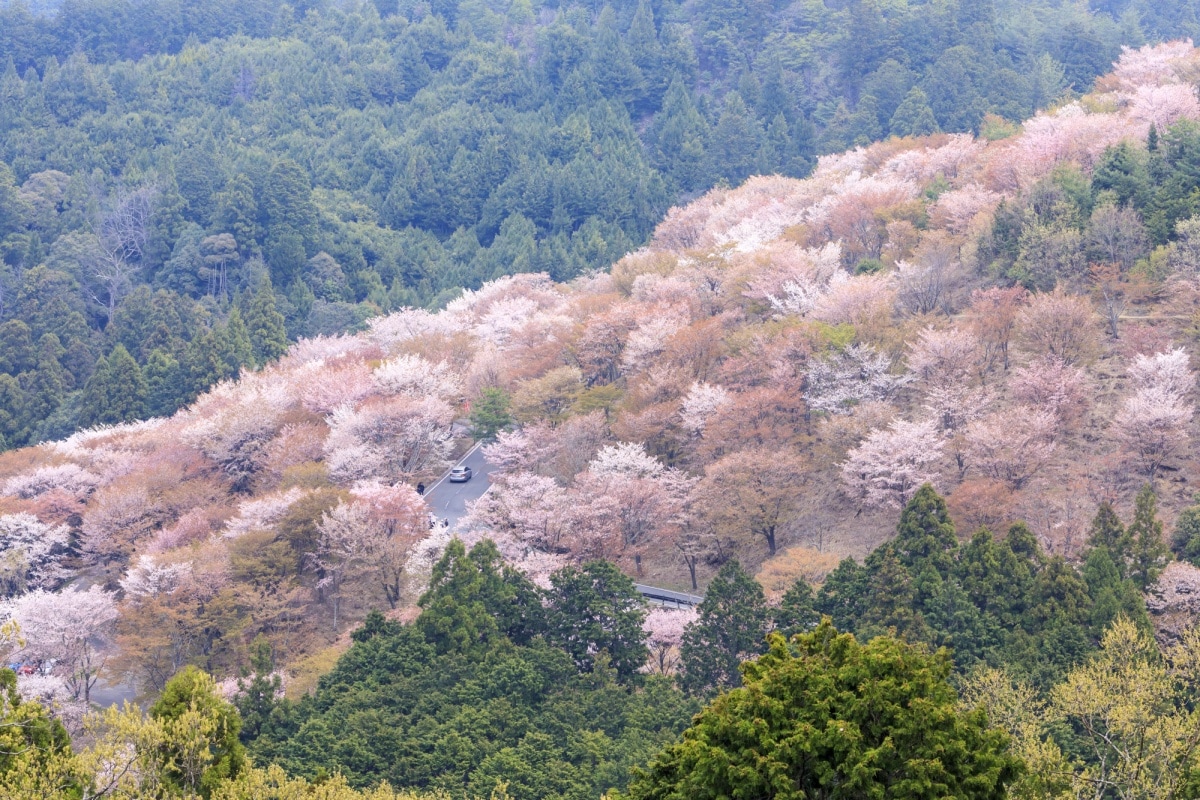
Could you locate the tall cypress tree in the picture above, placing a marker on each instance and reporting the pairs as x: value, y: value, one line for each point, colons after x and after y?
x: 265, y: 325
x: 116, y: 391
x: 731, y: 625
x: 925, y: 534
x: 1108, y: 532
x: 1149, y: 551
x: 796, y: 612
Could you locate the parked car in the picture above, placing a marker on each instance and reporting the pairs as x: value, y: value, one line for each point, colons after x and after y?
x: 460, y: 474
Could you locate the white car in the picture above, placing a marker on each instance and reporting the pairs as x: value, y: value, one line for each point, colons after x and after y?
x: 460, y: 474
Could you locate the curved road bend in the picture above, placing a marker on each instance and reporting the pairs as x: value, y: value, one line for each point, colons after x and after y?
x: 449, y: 501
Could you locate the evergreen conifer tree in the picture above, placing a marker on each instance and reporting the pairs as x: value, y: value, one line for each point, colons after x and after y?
x: 731, y: 626
x: 913, y: 116
x: 265, y: 325
x: 1108, y: 532
x: 925, y: 534
x: 797, y: 612
x: 1149, y: 552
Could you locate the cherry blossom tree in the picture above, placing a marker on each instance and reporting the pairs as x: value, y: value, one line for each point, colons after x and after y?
x: 389, y: 439
x: 1154, y: 422
x: 1170, y: 371
x: 1013, y: 445
x: 416, y: 377
x: 1049, y: 384
x: 63, y: 630
x: 531, y: 508
x: 664, y: 634
x: 864, y: 301
x: 397, y: 519
x: 71, y: 478
x: 992, y: 317
x: 115, y: 521
x: 633, y: 500
x: 31, y: 554
x: 925, y: 284
x: 149, y: 578
x: 702, y: 402
x: 262, y: 512
x: 944, y: 356
x: 1058, y: 324
x: 855, y: 375
x: 373, y: 535
x: 626, y: 459
x: 329, y: 386
x: 233, y: 423
x: 888, y: 467
x: 756, y: 491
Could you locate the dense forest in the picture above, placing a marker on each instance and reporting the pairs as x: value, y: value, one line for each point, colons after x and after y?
x: 875, y: 325
x: 185, y: 185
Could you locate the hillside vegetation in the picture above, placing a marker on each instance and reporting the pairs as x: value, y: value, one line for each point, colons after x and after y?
x: 185, y: 186
x: 941, y: 391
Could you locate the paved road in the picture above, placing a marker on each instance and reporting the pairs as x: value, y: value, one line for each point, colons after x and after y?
x: 104, y: 695
x: 449, y: 500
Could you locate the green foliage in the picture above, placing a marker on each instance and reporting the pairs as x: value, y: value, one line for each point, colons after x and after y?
x: 489, y: 414
x: 796, y: 612
x: 596, y: 609
x: 1149, y: 552
x: 990, y: 601
x: 809, y: 722
x: 191, y: 700
x: 731, y: 625
x: 430, y: 706
x: 32, y: 742
x: 441, y: 145
x: 1185, y: 540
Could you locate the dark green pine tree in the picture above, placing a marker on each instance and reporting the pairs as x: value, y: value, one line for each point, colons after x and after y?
x: 843, y: 595
x: 1112, y: 595
x: 236, y: 213
x: 287, y: 200
x: 892, y: 600
x: 735, y: 141
x: 166, y: 386
x: 46, y: 386
x: 12, y: 410
x: 731, y: 626
x: 1122, y: 170
x: 646, y: 52
x: 256, y: 699
x: 116, y: 392
x: 234, y: 342
x: 17, y: 353
x: 596, y: 608
x: 265, y: 325
x: 995, y: 578
x: 454, y: 616
x: 1108, y: 532
x: 489, y: 414
x: 204, y: 364
x: 679, y: 139
x: 1149, y: 552
x: 913, y: 116
x: 1185, y: 540
x: 797, y: 612
x: 474, y: 601
x: 925, y: 534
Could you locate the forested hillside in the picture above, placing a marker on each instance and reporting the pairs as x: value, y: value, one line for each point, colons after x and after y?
x: 185, y: 185
x: 928, y: 413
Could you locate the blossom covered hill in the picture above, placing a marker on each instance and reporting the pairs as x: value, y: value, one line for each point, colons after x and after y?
x: 1011, y: 319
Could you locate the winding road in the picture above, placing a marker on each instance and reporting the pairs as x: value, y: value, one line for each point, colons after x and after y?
x: 449, y: 501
